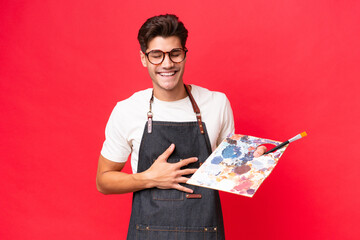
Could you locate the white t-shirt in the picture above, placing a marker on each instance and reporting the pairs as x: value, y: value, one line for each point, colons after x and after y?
x: 126, y: 124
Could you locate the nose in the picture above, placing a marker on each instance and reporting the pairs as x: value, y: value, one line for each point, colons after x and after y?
x: 167, y: 63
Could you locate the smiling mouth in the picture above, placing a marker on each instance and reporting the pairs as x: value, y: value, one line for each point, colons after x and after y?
x: 167, y: 74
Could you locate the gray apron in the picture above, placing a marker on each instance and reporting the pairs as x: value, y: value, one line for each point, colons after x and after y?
x: 168, y: 213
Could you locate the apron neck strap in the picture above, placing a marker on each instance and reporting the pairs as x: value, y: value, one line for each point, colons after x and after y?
x: 193, y: 103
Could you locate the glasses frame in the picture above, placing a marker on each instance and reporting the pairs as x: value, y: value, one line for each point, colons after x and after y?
x: 164, y: 53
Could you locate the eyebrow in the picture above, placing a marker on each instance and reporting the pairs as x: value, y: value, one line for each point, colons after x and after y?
x: 165, y: 51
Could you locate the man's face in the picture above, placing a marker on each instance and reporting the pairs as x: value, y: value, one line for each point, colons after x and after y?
x: 167, y: 75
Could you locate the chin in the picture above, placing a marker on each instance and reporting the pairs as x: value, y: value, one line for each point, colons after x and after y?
x: 169, y: 85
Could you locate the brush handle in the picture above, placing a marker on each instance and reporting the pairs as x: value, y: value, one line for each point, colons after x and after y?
x: 277, y: 147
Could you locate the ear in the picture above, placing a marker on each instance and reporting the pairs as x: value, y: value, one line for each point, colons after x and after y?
x: 143, y: 59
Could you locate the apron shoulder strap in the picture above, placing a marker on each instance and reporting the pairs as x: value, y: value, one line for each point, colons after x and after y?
x: 195, y: 107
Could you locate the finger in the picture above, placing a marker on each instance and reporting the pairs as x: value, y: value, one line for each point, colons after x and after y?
x: 186, y: 161
x: 260, y: 151
x: 165, y: 155
x: 187, y: 171
x: 182, y: 179
x: 182, y: 188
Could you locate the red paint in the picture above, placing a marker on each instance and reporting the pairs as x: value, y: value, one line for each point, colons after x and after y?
x: 243, y: 185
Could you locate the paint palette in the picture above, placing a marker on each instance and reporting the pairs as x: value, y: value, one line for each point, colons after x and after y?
x: 232, y: 167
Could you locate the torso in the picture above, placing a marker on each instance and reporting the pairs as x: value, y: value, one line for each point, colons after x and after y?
x: 132, y: 113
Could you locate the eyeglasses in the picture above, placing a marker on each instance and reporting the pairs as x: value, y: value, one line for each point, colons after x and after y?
x: 176, y: 55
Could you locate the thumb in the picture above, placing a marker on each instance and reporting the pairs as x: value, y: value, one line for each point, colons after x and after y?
x: 260, y: 151
x: 165, y: 155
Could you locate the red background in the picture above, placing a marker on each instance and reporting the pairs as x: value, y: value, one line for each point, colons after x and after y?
x: 286, y: 66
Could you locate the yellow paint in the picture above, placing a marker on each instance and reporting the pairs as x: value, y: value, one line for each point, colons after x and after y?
x: 303, y: 134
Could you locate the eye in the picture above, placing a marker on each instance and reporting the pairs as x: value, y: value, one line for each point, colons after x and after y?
x: 155, y: 54
x: 176, y: 52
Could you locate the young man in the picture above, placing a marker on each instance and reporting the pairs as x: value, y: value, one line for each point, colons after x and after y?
x: 168, y: 130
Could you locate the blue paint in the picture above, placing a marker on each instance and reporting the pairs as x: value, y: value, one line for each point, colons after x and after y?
x: 217, y: 160
x: 248, y: 157
x: 231, y: 152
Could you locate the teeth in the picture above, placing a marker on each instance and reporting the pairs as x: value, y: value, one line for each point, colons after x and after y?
x: 167, y: 74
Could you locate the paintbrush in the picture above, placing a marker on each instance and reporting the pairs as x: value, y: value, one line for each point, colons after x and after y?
x: 297, y: 137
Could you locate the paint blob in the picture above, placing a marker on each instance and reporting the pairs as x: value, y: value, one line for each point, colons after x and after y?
x: 242, y: 169
x: 217, y: 160
x: 231, y: 151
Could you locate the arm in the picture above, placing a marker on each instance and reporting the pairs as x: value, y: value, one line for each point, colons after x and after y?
x: 164, y: 175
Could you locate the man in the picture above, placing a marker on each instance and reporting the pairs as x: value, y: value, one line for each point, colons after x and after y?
x: 168, y: 130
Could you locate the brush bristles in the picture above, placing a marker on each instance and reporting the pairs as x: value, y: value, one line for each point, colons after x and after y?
x: 303, y: 134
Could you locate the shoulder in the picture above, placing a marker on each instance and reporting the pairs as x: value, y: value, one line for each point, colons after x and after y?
x: 136, y: 101
x: 204, y: 92
x: 204, y: 95
x: 137, y: 98
x: 131, y: 110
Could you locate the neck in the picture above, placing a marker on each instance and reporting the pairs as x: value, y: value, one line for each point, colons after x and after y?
x: 170, y: 95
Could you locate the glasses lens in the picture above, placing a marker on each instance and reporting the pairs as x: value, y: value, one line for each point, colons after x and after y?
x: 156, y: 57
x: 177, y: 55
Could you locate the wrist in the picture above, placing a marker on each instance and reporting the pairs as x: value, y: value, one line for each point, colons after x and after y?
x: 145, y: 179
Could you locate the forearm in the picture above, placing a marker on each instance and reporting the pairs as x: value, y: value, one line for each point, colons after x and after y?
x: 115, y: 182
x: 161, y: 174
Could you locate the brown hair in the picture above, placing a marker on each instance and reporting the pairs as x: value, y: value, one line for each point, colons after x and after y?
x: 167, y: 25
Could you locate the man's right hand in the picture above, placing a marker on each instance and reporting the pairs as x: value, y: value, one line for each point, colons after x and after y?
x: 166, y: 175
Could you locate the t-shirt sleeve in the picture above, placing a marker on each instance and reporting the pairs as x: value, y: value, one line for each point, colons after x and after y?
x: 227, y: 122
x: 116, y: 147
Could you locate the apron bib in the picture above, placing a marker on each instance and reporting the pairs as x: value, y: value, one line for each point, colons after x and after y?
x: 169, y: 213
